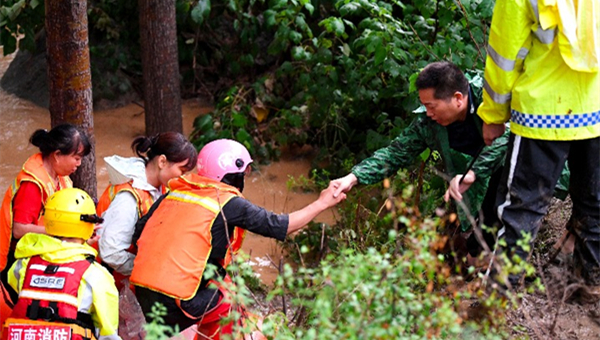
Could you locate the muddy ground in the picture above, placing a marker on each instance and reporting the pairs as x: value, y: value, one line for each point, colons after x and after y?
x: 559, y: 313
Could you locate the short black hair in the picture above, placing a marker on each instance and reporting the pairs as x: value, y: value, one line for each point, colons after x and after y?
x: 445, y: 78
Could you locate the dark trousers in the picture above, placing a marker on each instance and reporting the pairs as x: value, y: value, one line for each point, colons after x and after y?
x: 531, y: 171
x: 180, y: 313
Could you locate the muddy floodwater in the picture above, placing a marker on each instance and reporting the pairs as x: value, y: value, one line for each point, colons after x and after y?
x: 115, y: 129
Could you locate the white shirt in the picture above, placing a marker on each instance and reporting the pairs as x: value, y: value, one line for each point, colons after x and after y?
x: 118, y: 227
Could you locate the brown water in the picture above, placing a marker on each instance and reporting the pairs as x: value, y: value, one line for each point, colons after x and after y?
x: 115, y: 129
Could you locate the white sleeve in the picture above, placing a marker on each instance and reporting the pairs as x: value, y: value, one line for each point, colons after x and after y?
x: 117, y: 231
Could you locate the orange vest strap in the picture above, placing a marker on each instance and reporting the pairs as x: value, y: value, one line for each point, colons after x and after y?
x: 143, y: 198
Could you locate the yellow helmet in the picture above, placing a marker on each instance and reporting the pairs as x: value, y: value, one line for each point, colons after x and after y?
x: 70, y: 213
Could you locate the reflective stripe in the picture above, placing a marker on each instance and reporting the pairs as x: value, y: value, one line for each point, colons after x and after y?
x: 496, y: 97
x: 17, y: 271
x: 41, y: 267
x: 511, y: 173
x: 555, y: 121
x: 544, y: 36
x: 15, y: 187
x: 58, y: 297
x: 505, y: 63
x: 523, y: 52
x: 206, y: 202
x: 111, y: 193
x: 536, y: 11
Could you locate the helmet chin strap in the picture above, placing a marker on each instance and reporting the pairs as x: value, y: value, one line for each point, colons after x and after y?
x: 235, y: 180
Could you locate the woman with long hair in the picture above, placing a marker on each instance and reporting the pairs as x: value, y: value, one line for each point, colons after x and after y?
x: 135, y: 183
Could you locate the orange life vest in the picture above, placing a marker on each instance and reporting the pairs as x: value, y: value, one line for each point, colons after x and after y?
x: 176, y: 242
x: 143, y: 198
x: 33, y: 171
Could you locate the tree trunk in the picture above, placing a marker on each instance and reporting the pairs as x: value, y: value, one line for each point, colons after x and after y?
x: 160, y: 64
x: 70, y: 79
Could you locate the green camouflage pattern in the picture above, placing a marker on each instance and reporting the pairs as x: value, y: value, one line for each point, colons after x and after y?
x: 423, y: 133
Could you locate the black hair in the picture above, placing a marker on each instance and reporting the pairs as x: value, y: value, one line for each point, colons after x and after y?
x: 171, y: 144
x: 445, y: 78
x: 66, y: 138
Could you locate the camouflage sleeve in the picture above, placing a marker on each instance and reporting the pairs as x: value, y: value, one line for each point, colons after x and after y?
x: 492, y: 157
x: 400, y: 153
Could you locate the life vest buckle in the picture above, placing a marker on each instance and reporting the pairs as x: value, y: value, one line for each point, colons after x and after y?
x: 41, y: 313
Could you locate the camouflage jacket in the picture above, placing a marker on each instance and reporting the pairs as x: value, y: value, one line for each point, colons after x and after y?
x: 424, y: 133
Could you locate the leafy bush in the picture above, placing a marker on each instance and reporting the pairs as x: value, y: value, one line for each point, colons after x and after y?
x: 343, y: 83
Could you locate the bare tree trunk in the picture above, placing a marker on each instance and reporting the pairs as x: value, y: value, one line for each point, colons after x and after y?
x: 160, y: 64
x: 70, y: 79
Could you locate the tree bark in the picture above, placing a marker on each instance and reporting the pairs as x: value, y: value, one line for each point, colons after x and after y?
x: 70, y: 79
x: 160, y: 65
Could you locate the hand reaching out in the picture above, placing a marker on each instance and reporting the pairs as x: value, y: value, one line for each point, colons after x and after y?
x: 329, y: 198
x: 95, y: 236
x: 343, y: 184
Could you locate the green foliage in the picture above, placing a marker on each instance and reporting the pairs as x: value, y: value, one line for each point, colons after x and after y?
x: 20, y: 21
x: 335, y: 74
x: 157, y: 330
x: 393, y: 284
x: 391, y: 281
x: 343, y: 82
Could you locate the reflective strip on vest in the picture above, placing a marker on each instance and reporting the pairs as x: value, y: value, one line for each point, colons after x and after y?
x: 15, y: 187
x: 504, y: 63
x: 17, y: 271
x: 41, y: 267
x: 44, y: 296
x: 544, y: 36
x: 555, y: 121
x: 496, y: 97
x: 111, y: 193
x: 187, y: 197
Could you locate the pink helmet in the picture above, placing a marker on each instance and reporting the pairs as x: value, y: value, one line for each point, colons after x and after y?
x: 221, y: 157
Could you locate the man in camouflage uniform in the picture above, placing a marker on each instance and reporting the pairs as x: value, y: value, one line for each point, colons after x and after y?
x: 451, y: 127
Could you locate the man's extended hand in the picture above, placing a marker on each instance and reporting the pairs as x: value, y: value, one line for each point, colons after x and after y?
x: 492, y: 131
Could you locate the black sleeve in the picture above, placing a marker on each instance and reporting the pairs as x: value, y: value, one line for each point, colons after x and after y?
x: 241, y: 213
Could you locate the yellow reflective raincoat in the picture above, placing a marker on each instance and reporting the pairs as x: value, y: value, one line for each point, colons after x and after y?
x: 542, y: 69
x: 97, y: 293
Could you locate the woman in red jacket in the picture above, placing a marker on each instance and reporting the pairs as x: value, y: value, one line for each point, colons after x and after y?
x: 61, y: 151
